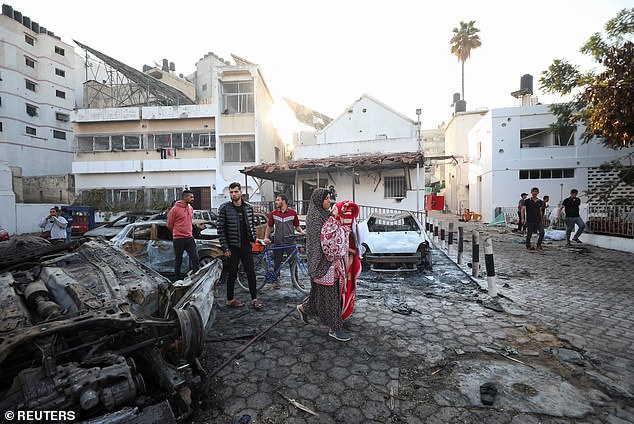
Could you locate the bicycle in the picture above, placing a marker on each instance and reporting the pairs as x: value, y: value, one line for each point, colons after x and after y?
x: 264, y: 265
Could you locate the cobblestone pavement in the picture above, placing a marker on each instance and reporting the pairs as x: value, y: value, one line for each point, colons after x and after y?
x: 558, y: 344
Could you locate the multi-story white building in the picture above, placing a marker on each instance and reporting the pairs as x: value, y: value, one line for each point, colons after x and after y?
x: 457, y: 170
x: 146, y: 151
x: 37, y: 96
x: 512, y: 149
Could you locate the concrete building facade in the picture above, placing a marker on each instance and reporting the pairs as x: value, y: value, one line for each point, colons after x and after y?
x: 37, y: 96
x: 367, y: 127
x: 511, y: 150
x: 456, y: 190
x: 146, y: 155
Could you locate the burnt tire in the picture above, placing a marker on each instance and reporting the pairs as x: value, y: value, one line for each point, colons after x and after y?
x: 425, y: 257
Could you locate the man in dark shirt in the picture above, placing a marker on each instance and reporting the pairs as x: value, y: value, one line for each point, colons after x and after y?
x: 571, y: 204
x: 236, y: 231
x: 285, y: 221
x: 532, y: 216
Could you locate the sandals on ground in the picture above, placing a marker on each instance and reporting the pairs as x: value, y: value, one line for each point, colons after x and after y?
x: 235, y: 303
x: 257, y: 304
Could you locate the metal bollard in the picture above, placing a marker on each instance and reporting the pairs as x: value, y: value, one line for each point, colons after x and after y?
x: 450, y: 238
x: 435, y: 231
x: 488, y: 260
x: 475, y: 253
x: 460, y: 246
x: 442, y: 234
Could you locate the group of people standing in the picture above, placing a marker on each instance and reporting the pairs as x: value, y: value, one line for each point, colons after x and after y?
x: 329, y: 248
x: 531, y: 217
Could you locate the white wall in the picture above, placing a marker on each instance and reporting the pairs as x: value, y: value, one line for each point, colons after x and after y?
x: 501, y: 159
x: 367, y: 119
x: 39, y: 154
x: 29, y: 216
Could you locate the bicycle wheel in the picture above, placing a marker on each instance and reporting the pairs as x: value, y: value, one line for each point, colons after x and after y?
x: 262, y: 268
x: 299, y: 273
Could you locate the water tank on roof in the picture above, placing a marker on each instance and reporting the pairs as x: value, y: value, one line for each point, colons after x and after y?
x: 165, y: 65
x: 26, y: 21
x: 456, y: 97
x: 35, y: 26
x: 42, y: 30
x: 172, y: 66
x: 526, y: 83
x: 460, y: 106
x: 7, y: 10
x: 146, y: 68
x: 17, y: 16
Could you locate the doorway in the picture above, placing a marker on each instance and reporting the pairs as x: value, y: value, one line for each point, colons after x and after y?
x: 307, y: 190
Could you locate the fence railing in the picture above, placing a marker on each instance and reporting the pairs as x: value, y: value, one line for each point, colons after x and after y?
x: 364, y: 210
x: 550, y: 221
x: 611, y: 220
x: 607, y: 220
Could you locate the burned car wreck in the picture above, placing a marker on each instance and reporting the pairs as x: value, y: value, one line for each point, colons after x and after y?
x: 393, y: 242
x: 91, y: 330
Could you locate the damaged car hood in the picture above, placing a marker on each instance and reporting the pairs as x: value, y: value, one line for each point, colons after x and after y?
x: 94, y: 331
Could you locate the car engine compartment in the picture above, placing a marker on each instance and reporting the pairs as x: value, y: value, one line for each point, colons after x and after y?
x: 92, y: 330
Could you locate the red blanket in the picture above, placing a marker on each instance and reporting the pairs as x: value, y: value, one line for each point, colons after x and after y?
x: 346, y: 212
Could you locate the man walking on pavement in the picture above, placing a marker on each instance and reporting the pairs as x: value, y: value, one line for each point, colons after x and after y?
x: 285, y: 221
x: 571, y: 204
x: 532, y: 216
x: 179, y: 221
x: 236, y: 231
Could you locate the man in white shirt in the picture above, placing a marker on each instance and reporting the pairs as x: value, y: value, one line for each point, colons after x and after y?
x: 55, y: 225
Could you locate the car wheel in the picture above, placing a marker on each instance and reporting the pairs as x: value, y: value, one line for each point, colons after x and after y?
x: 425, y: 257
x: 365, y: 266
x: 205, y: 260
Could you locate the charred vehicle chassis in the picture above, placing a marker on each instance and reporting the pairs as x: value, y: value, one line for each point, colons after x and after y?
x: 95, y: 332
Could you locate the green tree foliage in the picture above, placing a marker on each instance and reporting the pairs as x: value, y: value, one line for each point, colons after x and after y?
x: 465, y: 38
x: 603, y: 100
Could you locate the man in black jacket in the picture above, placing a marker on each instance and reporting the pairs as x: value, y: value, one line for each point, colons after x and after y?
x: 236, y: 231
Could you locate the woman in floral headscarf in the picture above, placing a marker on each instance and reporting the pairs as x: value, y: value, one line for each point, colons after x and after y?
x: 327, y: 245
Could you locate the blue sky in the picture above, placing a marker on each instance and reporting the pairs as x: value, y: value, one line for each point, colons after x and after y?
x: 326, y: 54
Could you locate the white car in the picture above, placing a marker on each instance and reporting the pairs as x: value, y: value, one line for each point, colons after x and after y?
x: 393, y: 242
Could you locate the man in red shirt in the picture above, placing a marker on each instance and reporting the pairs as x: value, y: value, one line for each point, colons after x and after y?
x: 179, y: 221
x: 285, y: 221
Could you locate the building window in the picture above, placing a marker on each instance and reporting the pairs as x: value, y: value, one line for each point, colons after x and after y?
x: 394, y: 187
x: 204, y: 87
x: 60, y: 72
x: 565, y: 137
x: 60, y: 51
x: 29, y: 62
x: 544, y: 137
x: 28, y: 39
x: 0, y: 126
x: 241, y: 151
x: 31, y: 131
x: 237, y: 97
x: 31, y: 110
x: 30, y: 85
x: 60, y: 135
x: 61, y: 94
x: 62, y: 117
x: 545, y: 174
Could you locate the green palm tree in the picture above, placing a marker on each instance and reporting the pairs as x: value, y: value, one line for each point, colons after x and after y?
x: 463, y: 41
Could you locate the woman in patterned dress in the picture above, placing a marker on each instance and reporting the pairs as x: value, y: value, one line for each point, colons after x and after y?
x: 326, y: 249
